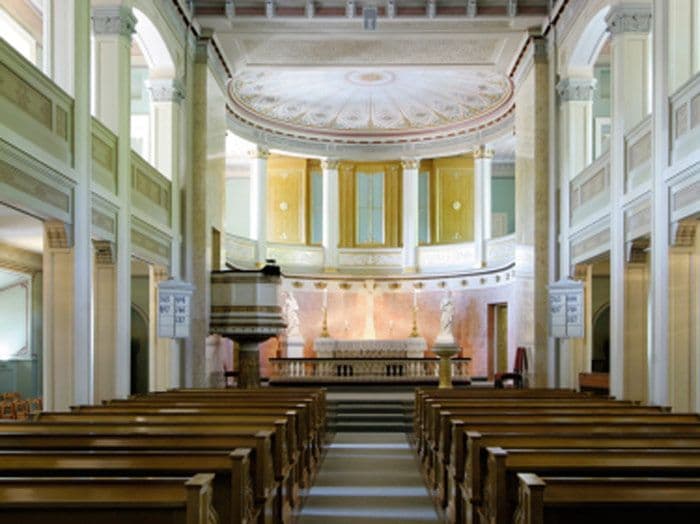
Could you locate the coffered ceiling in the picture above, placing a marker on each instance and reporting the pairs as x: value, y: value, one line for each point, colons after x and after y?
x: 429, y: 81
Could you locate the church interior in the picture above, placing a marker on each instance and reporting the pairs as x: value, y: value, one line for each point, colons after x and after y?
x: 329, y: 261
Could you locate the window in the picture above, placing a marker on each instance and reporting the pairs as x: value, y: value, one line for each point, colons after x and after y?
x: 14, y: 318
x: 316, y: 218
x: 370, y: 208
x: 424, y: 207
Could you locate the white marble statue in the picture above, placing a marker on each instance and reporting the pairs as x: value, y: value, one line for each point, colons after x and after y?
x: 291, y: 315
x: 447, y: 310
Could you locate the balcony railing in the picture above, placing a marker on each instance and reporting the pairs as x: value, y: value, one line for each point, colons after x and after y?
x: 685, y: 119
x: 589, y: 191
x: 150, y: 190
x: 377, y: 370
x: 638, y: 155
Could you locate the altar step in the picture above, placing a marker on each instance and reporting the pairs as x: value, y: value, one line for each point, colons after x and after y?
x: 376, y: 415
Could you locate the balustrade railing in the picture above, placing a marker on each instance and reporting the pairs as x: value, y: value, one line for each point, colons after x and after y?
x: 380, y: 370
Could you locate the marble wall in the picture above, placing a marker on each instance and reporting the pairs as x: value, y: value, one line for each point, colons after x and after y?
x: 348, y: 318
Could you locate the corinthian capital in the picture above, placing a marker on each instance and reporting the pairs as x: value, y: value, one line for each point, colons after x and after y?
x: 576, y: 89
x: 113, y: 20
x: 329, y: 164
x: 629, y: 19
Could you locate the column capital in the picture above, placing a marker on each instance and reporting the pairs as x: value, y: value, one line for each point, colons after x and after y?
x: 259, y: 152
x: 105, y: 253
x: 57, y: 235
x: 166, y: 90
x: 329, y: 163
x: 629, y: 19
x: 576, y: 89
x: 483, y: 153
x: 113, y: 20
x: 410, y: 163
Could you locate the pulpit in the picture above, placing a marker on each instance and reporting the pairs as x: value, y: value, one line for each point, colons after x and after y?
x: 245, y: 306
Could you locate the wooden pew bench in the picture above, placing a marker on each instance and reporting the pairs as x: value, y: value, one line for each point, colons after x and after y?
x: 107, y: 500
x: 269, y: 504
x: 232, y: 483
x: 293, y: 447
x: 295, y: 418
x: 440, y: 444
x: 579, y: 500
x: 464, y: 480
x: 500, y: 482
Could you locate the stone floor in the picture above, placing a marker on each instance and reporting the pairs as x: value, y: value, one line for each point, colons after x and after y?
x: 368, y: 477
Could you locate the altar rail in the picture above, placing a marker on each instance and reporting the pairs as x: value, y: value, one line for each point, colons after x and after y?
x: 378, y: 370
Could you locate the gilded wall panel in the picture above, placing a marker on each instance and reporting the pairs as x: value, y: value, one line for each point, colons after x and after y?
x: 453, y: 200
x: 346, y: 187
x: 286, y: 183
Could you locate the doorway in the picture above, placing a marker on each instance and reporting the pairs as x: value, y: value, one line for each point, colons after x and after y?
x: 497, y: 339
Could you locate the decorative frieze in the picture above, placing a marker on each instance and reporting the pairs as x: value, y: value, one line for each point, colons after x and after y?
x: 576, y: 89
x: 113, y: 20
x: 166, y: 90
x: 629, y: 19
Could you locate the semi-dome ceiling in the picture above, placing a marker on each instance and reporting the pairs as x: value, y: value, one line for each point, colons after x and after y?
x: 370, y: 104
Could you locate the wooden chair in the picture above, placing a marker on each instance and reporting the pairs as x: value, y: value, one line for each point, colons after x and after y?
x: 519, y: 367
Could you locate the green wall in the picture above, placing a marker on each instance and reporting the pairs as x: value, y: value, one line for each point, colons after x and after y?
x: 503, y: 199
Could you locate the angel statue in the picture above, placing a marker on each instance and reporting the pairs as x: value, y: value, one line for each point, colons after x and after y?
x: 447, y: 310
x: 291, y: 315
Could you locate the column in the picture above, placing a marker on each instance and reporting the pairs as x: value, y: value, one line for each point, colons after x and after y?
x: 409, y: 227
x: 167, y: 96
x: 113, y: 27
x: 258, y: 201
x: 105, y: 284
x: 658, y: 391
x: 528, y: 316
x: 483, y: 160
x: 575, y: 153
x: 331, y: 214
x: 160, y: 349
x: 629, y: 27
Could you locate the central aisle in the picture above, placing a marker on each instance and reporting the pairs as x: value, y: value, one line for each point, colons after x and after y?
x: 368, y: 477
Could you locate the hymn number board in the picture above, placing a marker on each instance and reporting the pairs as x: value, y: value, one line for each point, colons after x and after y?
x: 566, y: 312
x: 174, y: 315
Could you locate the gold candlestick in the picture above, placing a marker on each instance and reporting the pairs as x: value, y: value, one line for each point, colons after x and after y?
x: 414, y: 331
x: 324, y: 325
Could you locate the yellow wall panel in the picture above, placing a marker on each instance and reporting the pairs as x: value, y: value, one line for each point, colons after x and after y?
x: 453, y: 199
x: 286, y: 207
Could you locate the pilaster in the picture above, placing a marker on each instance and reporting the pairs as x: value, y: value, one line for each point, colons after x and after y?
x: 105, y: 284
x: 331, y: 214
x: 258, y: 201
x: 575, y: 153
x: 113, y: 27
x: 629, y: 27
x: 410, y: 213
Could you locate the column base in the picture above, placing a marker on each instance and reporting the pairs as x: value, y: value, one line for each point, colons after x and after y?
x: 249, y: 366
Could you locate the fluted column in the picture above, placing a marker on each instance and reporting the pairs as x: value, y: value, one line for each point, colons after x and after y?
x: 331, y: 215
x: 410, y: 213
x: 575, y: 153
x: 483, y: 160
x: 113, y: 27
x: 629, y: 27
x: 258, y: 201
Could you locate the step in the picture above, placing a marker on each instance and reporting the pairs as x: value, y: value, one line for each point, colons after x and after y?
x: 385, y: 426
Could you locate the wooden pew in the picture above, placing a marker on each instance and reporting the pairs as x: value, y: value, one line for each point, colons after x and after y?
x: 107, y: 500
x: 268, y: 504
x: 579, y: 500
x: 465, y: 474
x: 232, y: 488
x: 500, y: 483
x: 294, y: 449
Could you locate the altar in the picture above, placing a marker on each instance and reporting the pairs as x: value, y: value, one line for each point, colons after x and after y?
x: 413, y: 347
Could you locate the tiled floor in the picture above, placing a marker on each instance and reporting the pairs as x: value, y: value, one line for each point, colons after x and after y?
x: 368, y: 477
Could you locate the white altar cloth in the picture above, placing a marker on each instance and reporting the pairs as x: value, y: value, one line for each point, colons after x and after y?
x: 396, y: 348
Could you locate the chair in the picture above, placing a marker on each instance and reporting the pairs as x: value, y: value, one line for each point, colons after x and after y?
x: 520, y: 366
